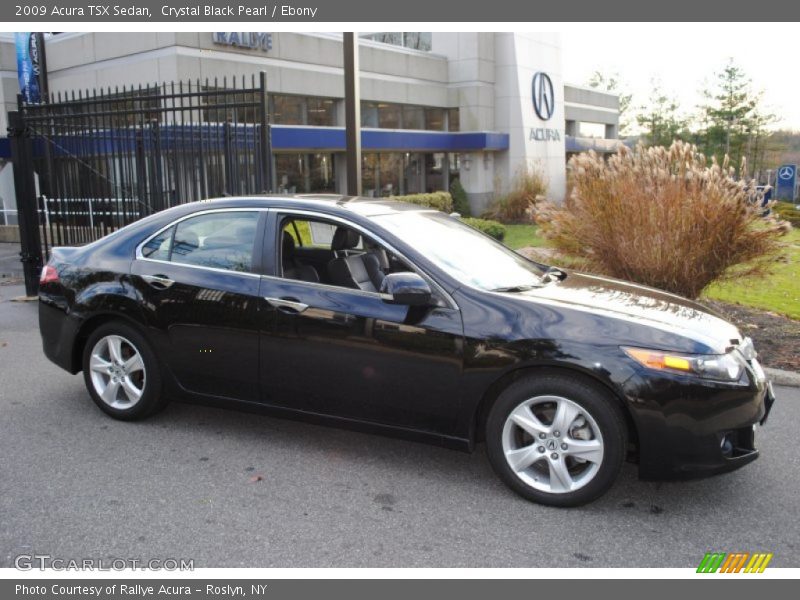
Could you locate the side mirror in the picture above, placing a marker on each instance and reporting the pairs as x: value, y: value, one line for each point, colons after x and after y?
x: 406, y: 288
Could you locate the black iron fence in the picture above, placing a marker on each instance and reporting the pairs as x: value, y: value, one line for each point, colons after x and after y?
x: 88, y: 163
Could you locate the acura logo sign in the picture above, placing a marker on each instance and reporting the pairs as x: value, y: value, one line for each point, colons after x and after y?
x: 544, y: 100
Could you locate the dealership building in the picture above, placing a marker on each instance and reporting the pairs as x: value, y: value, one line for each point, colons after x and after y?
x: 434, y: 106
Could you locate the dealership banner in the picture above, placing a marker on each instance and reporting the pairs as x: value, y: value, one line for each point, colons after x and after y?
x: 28, y: 67
x: 363, y: 11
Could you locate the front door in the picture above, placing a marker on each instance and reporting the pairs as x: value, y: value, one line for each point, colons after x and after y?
x: 346, y: 352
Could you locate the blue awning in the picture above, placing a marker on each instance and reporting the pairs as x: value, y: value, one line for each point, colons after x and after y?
x: 285, y: 138
x: 332, y: 139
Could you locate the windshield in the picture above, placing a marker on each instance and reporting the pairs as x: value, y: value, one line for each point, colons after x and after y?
x: 462, y: 252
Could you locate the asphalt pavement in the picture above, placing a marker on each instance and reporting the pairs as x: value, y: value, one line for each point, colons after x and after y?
x: 229, y: 489
x: 10, y: 265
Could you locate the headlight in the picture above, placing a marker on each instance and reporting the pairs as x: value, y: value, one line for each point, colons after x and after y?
x: 719, y: 367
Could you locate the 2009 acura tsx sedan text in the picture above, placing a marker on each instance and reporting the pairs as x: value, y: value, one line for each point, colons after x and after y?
x: 393, y: 318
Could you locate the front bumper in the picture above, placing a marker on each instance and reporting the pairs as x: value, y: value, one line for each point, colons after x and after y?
x: 689, y: 428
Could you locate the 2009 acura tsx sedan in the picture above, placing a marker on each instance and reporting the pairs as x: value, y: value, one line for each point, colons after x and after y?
x: 398, y: 319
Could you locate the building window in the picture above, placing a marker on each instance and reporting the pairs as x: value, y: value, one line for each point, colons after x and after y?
x: 453, y: 119
x: 321, y: 173
x: 287, y: 110
x: 116, y: 110
x: 453, y: 161
x: 434, y: 171
x: 302, y: 173
x: 321, y: 112
x: 389, y: 116
x: 369, y: 114
x: 413, y: 117
x: 416, y: 40
x: 216, y: 109
x: 434, y: 119
x: 392, y: 174
x: 384, y: 115
x: 301, y: 110
x: 370, y: 173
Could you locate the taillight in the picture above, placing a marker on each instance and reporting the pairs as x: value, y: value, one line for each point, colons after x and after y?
x: 49, y: 274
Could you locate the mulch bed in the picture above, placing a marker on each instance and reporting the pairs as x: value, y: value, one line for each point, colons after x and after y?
x: 777, y: 338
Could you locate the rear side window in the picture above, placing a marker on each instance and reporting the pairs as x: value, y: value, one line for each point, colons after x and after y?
x: 158, y: 247
x: 218, y: 240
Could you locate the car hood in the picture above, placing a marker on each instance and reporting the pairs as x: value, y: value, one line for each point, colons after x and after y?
x: 643, y: 305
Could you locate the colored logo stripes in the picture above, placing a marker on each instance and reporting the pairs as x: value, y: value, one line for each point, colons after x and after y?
x: 737, y: 562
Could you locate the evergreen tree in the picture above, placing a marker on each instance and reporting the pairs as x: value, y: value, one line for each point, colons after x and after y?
x: 733, y: 121
x: 660, y: 119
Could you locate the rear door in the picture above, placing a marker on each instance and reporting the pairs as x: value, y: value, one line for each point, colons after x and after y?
x: 199, y: 285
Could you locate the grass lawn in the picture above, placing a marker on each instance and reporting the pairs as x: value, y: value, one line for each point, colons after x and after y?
x: 778, y: 292
x: 519, y: 236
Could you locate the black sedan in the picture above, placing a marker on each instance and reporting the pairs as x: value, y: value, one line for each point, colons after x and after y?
x: 392, y: 318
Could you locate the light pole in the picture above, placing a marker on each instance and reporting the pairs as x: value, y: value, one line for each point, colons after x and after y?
x: 352, y: 113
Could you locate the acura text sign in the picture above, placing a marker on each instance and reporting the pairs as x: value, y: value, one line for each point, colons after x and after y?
x: 245, y: 39
x: 543, y: 99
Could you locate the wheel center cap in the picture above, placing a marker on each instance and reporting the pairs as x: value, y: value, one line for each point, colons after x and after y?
x: 551, y: 444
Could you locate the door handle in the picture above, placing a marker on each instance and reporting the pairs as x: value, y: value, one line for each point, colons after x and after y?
x: 158, y: 281
x: 290, y: 304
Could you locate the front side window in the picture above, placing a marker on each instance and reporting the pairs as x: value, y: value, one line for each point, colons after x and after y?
x: 217, y: 240
x: 320, y: 251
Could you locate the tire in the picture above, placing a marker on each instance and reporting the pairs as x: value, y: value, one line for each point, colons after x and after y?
x: 554, y: 467
x: 109, y: 361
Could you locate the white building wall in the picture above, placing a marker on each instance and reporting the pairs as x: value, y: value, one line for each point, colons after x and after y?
x: 471, y: 77
x: 519, y: 56
x: 490, y: 76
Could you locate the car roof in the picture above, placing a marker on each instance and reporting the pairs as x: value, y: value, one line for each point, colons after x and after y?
x: 367, y: 207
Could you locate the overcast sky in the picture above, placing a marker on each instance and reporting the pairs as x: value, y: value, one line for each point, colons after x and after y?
x: 683, y: 56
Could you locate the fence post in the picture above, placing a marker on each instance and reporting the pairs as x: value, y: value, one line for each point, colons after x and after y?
x: 227, y: 153
x: 25, y: 191
x: 266, y: 136
x: 157, y: 175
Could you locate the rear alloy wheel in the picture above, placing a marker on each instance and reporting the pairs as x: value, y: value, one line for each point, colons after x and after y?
x: 121, y: 372
x: 556, y: 440
x: 117, y: 372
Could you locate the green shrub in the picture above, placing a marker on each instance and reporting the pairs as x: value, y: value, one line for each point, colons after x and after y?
x: 460, y: 201
x: 528, y: 188
x: 492, y: 228
x: 787, y: 212
x: 662, y: 217
x: 442, y: 201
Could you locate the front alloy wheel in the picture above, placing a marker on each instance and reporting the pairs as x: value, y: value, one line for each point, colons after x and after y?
x: 552, y: 444
x: 556, y: 440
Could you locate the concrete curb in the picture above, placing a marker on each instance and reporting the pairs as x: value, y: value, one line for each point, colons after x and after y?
x: 781, y: 377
